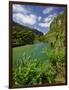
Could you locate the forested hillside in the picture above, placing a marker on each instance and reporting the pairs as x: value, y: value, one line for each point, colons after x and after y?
x: 56, y: 38
x: 56, y: 34
x: 23, y: 35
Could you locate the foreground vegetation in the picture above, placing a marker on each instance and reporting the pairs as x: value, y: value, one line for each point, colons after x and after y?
x: 32, y: 71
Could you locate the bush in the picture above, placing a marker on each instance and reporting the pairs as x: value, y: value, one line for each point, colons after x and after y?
x: 32, y: 72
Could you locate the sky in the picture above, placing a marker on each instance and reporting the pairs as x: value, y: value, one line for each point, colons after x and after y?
x: 34, y: 16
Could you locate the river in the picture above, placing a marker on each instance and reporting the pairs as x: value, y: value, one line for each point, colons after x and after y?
x: 34, y: 51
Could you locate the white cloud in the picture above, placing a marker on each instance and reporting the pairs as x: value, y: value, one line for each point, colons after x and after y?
x: 49, y: 18
x: 47, y: 21
x: 23, y: 15
x: 20, y: 9
x: 39, y: 18
x: 25, y: 19
x: 44, y: 25
x: 47, y: 10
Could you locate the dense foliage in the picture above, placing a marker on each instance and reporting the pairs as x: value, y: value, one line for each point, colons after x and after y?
x: 23, y: 35
x: 56, y: 38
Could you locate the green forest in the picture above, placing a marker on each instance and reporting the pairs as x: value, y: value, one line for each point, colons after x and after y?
x: 37, y: 58
x: 23, y: 35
